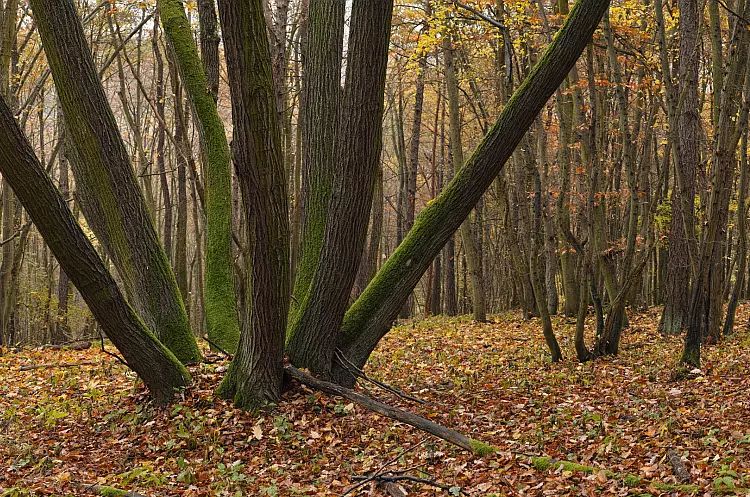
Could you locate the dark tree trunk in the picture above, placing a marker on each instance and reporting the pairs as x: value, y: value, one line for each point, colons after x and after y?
x: 320, y: 107
x: 359, y: 157
x: 209, y: 44
x: 255, y: 374
x: 107, y: 187
x: 682, y: 235
x: 154, y: 363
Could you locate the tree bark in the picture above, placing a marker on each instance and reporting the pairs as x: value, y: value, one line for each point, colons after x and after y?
x: 107, y: 187
x: 320, y: 115
x: 346, y: 227
x: 370, y: 317
x: 255, y: 374
x: 155, y: 364
x: 221, y: 310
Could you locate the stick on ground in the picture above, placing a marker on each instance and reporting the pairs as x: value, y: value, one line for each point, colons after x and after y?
x: 447, y: 434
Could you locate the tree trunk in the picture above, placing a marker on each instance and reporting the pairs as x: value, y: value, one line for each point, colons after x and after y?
x: 682, y: 235
x: 107, y: 187
x: 255, y: 375
x: 359, y: 157
x: 209, y: 44
x: 320, y: 108
x: 468, y: 237
x: 370, y: 317
x: 155, y: 364
x: 221, y: 310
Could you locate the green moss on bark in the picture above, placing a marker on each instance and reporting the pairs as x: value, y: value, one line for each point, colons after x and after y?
x: 221, y: 312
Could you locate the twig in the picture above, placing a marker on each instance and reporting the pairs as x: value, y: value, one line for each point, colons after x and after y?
x: 387, y: 478
x: 358, y: 373
x: 117, y: 357
x: 212, y: 344
x: 381, y: 468
x: 58, y: 365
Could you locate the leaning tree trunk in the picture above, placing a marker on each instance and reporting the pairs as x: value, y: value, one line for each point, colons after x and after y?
x: 107, y: 187
x: 320, y: 123
x: 346, y: 226
x: 370, y: 317
x: 155, y: 364
x: 255, y: 375
x: 221, y: 310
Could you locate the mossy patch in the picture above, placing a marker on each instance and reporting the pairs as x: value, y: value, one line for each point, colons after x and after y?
x: 482, y: 449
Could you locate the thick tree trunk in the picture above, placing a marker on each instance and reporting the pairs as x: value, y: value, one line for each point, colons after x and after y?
x: 370, y: 317
x: 106, y: 183
x: 346, y: 227
x: 221, y: 310
x: 255, y: 375
x: 320, y: 108
x: 155, y: 364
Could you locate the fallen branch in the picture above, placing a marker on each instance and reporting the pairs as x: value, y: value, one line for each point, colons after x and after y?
x: 31, y: 367
x: 358, y: 373
x: 393, y: 478
x: 447, y: 434
x: 382, y: 468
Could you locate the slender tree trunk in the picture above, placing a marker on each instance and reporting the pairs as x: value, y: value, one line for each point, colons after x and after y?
x: 221, y: 310
x: 468, y: 237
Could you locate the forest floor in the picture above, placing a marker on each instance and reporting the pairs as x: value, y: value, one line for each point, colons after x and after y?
x: 604, y: 428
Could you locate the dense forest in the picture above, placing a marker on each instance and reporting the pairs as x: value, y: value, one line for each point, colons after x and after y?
x: 273, y: 185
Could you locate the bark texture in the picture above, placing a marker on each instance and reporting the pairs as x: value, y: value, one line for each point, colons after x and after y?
x: 107, y: 187
x: 221, y: 310
x: 255, y: 375
x: 155, y: 364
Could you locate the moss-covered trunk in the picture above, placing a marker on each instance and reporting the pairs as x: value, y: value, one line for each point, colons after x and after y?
x: 155, y: 364
x: 221, y: 311
x: 319, y: 122
x: 359, y: 157
x: 370, y: 317
x: 107, y: 187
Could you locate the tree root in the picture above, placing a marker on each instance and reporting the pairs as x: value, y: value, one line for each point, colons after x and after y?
x: 449, y: 435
